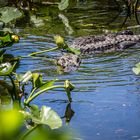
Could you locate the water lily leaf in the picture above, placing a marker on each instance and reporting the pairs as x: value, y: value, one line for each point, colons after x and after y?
x: 6, y: 69
x: 48, y: 84
x: 48, y: 117
x: 45, y: 116
x: 9, y: 13
x: 63, y: 4
x: 37, y: 80
x: 38, y: 22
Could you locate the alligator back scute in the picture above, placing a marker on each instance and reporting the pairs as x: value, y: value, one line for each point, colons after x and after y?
x: 105, y: 43
x: 97, y: 44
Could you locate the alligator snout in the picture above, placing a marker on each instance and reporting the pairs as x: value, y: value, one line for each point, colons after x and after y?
x: 69, y: 62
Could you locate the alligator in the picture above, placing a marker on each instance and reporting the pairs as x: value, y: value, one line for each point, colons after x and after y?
x: 96, y: 45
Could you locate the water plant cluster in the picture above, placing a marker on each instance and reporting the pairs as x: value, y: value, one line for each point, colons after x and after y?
x: 15, y: 86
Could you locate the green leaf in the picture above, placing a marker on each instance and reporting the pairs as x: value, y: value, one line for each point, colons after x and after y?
x: 6, y: 69
x: 68, y: 85
x: 48, y: 117
x: 63, y: 4
x: 9, y: 13
x: 48, y: 84
x: 35, y: 110
x: 2, y: 52
x: 37, y: 80
x: 73, y: 50
x: 138, y: 65
x: 24, y: 78
x: 60, y: 42
x: 6, y: 38
x: 136, y: 70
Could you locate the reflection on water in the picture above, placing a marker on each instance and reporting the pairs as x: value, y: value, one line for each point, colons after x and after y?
x: 106, y: 100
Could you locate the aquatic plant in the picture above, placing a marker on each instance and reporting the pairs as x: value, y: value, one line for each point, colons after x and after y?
x: 61, y: 45
x: 16, y: 85
x: 136, y: 69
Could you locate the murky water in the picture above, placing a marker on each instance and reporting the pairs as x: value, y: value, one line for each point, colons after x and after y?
x: 106, y: 100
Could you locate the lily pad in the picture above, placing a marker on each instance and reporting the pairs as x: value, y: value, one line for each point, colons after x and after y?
x: 9, y: 13
x: 45, y: 116
x: 63, y: 4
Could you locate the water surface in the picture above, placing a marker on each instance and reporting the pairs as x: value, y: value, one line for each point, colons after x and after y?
x: 106, y: 100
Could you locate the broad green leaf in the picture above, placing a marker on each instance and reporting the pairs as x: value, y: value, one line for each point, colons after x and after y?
x: 138, y: 65
x: 37, y: 80
x: 6, y: 69
x: 48, y: 117
x: 9, y: 13
x: 48, y: 84
x: 6, y: 38
x: 63, y: 4
x: 24, y: 78
x: 38, y: 22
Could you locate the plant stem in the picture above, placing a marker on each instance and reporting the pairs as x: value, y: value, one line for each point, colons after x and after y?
x: 32, y: 92
x: 41, y: 91
x: 34, y: 53
x: 28, y: 132
x: 13, y: 88
x: 69, y: 95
